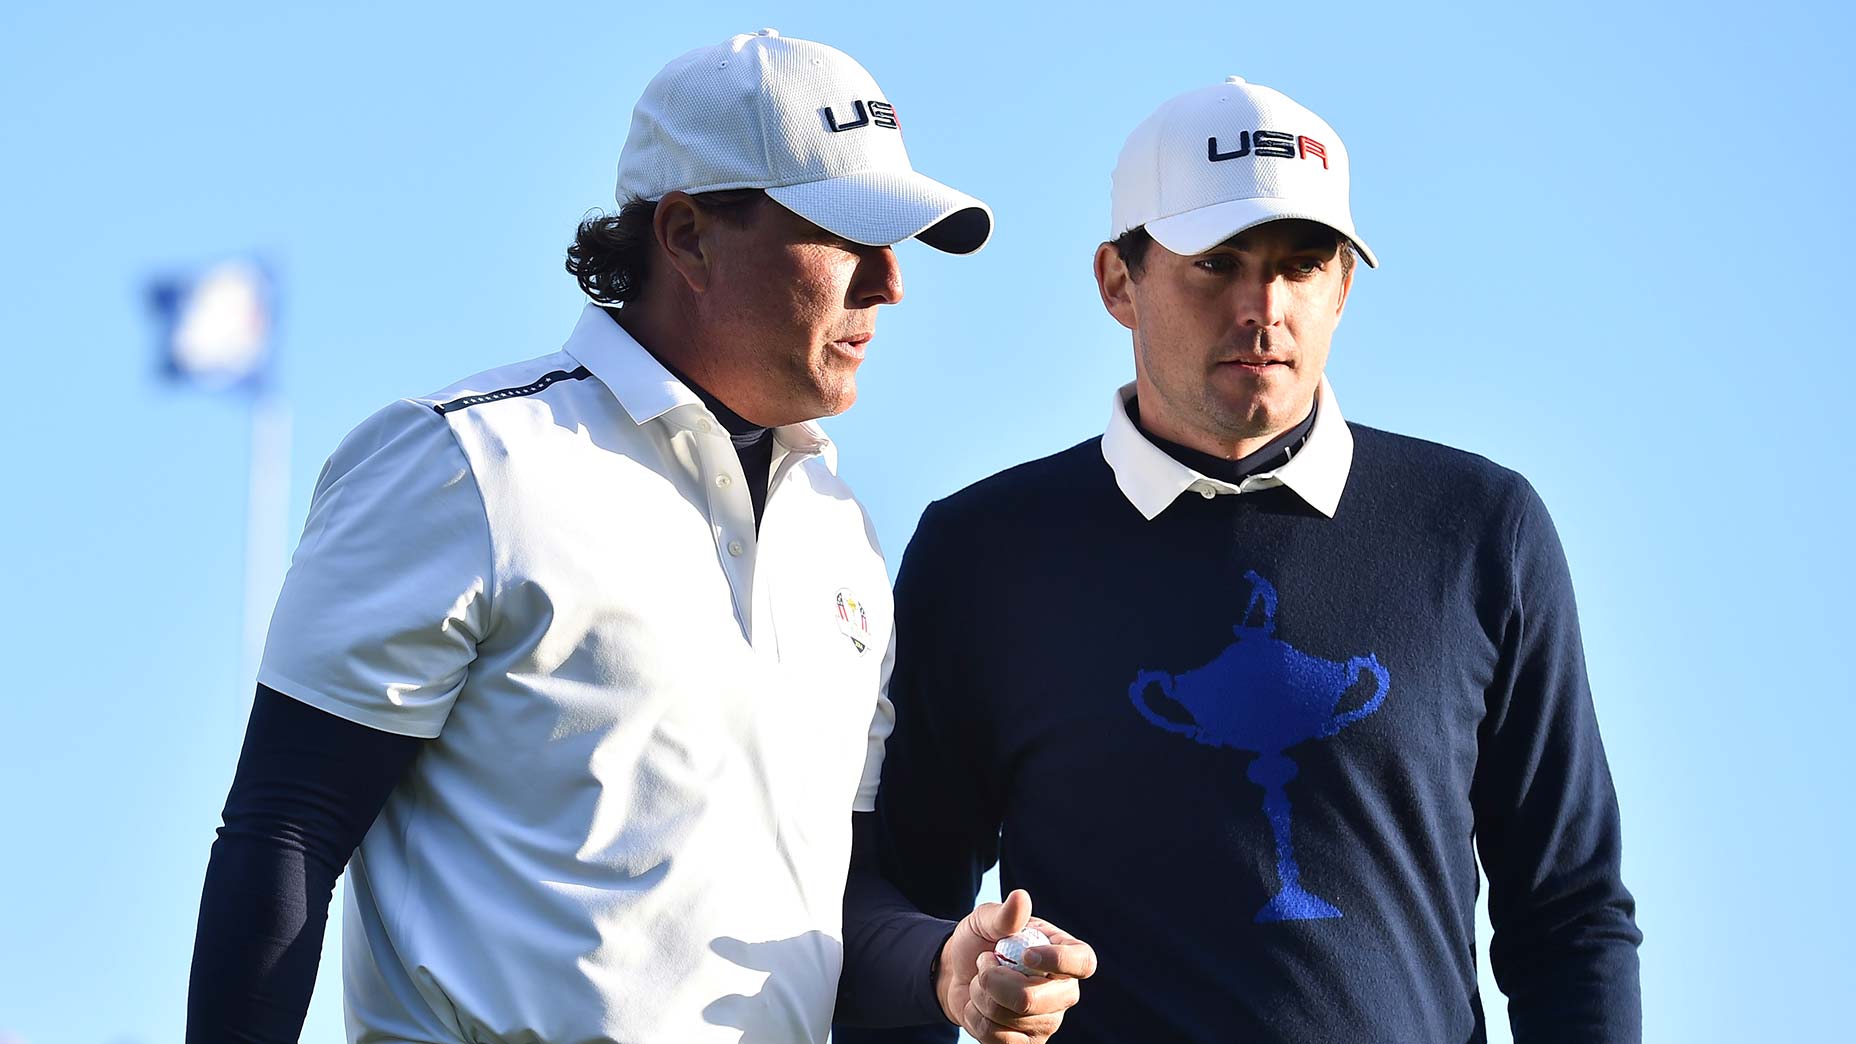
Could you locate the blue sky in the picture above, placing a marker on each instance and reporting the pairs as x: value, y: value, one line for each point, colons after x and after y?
x: 1613, y: 240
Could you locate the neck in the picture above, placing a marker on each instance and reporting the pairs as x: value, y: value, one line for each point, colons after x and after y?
x: 1270, y: 456
x: 1224, y: 446
x: 674, y: 340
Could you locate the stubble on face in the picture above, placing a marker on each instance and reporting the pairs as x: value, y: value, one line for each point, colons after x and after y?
x: 796, y: 307
x: 1230, y: 344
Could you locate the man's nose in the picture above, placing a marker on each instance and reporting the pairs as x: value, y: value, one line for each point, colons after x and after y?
x: 1260, y: 302
x: 879, y: 278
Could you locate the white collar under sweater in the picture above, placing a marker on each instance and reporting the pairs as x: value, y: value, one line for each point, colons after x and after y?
x: 1151, y: 479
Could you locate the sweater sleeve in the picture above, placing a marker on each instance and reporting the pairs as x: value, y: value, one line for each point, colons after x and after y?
x: 1547, y: 825
x: 937, y: 817
x: 308, y: 786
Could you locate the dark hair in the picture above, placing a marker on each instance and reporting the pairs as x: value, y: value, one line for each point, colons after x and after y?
x: 1132, y: 246
x: 611, y: 253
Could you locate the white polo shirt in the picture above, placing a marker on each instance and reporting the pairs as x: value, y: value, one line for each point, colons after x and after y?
x: 650, y: 725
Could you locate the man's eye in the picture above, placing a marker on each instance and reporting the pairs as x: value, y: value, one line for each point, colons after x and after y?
x: 1215, y: 264
x: 1306, y: 266
x: 832, y: 239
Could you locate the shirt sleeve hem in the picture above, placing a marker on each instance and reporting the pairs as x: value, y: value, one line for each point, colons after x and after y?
x: 398, y: 724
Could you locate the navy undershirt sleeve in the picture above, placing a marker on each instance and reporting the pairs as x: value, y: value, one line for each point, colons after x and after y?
x: 889, y: 946
x: 936, y: 828
x: 308, y: 786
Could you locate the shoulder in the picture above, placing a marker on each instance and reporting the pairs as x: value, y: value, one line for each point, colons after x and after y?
x: 1056, y: 483
x: 402, y: 435
x: 425, y: 433
x: 1455, y: 498
x: 523, y: 411
x: 1379, y: 450
x: 399, y: 485
x: 831, y: 507
x: 550, y: 377
x: 1013, y: 514
x: 1421, y: 471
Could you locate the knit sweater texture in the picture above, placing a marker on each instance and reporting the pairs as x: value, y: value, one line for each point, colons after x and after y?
x: 1250, y: 753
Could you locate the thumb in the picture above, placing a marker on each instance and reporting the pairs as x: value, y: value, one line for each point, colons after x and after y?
x: 995, y: 921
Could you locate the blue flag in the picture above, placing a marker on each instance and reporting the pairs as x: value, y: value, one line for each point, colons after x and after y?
x: 215, y: 326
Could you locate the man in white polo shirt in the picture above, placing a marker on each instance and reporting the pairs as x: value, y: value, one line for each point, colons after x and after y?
x: 587, y: 653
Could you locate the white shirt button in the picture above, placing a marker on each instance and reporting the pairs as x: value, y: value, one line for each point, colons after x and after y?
x: 723, y: 481
x: 1207, y: 492
x: 704, y: 426
x: 734, y: 548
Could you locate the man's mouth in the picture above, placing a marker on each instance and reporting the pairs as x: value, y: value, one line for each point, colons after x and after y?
x: 853, y: 345
x: 1255, y: 353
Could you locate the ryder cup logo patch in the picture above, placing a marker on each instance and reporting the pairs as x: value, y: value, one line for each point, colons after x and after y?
x: 852, y: 619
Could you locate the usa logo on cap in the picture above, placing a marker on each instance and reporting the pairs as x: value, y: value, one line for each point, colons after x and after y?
x: 1208, y: 164
x: 852, y: 619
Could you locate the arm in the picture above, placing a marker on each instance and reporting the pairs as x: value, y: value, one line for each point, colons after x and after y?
x: 890, y: 948
x: 935, y: 830
x: 903, y: 967
x: 1565, y: 944
x: 307, y: 788
x: 372, y: 638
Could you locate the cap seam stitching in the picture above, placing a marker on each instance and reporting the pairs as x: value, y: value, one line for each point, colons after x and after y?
x: 766, y: 97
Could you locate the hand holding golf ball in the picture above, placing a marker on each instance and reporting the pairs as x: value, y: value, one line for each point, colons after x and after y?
x: 987, y: 985
x: 1011, y: 949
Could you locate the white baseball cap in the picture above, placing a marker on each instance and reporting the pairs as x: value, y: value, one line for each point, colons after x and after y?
x: 806, y: 123
x: 1213, y: 162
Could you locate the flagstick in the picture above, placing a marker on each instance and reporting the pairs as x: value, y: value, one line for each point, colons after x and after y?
x: 267, y: 520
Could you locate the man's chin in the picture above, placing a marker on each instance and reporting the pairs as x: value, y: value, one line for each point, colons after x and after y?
x: 835, y: 400
x: 846, y: 400
x: 1256, y: 415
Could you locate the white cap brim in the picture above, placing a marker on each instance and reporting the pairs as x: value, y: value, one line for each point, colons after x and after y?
x: 1197, y: 231
x: 883, y: 207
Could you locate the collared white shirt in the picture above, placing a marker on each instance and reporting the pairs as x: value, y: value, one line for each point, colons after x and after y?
x: 650, y: 724
x: 1151, y: 479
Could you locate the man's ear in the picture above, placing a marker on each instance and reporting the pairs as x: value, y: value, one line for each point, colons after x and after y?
x: 681, y: 228
x: 1115, y: 284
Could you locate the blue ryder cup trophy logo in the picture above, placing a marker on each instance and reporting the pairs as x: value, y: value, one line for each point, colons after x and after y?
x: 1263, y: 695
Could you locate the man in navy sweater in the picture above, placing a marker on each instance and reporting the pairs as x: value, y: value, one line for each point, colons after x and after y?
x: 1240, y: 658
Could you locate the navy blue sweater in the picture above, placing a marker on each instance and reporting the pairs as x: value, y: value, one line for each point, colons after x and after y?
x: 1249, y: 752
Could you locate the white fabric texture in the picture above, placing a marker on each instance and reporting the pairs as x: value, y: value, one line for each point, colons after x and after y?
x: 652, y: 725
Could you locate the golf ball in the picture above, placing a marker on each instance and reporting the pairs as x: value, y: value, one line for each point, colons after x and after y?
x: 1011, y: 949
